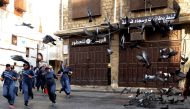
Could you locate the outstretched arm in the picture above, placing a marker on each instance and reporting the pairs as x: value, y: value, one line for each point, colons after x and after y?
x: 2, y: 77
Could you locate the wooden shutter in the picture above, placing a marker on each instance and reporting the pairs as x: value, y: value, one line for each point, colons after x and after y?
x: 27, y: 51
x: 3, y: 4
x: 136, y: 5
x: 14, y: 39
x: 5, y: 1
x: 80, y: 7
x: 20, y: 5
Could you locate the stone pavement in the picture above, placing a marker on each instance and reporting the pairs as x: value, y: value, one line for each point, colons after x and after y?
x: 87, y: 97
x: 84, y: 98
x: 78, y: 100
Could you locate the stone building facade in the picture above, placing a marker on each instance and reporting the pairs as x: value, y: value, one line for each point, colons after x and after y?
x: 115, y: 10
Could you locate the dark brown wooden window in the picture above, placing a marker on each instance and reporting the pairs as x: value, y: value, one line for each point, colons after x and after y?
x: 20, y: 7
x: 5, y: 1
x: 27, y: 51
x: 80, y: 7
x: 3, y: 4
x: 14, y: 40
x: 136, y: 5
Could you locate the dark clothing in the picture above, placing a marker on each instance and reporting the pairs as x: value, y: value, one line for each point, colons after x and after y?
x: 25, y: 74
x: 27, y: 84
x: 9, y: 92
x: 186, y: 91
x: 9, y: 86
x: 20, y: 85
x: 40, y: 79
x: 51, y: 86
x: 49, y: 78
x: 50, y: 75
x: 16, y: 83
x: 7, y: 75
x: 65, y: 80
x: 20, y: 80
x: 65, y: 71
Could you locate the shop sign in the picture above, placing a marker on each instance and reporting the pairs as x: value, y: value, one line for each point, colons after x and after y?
x: 88, y: 42
x: 137, y: 20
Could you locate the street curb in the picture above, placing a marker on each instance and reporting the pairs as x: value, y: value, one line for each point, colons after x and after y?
x: 109, y: 89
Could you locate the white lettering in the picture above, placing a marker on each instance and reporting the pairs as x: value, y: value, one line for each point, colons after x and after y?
x: 88, y: 42
x: 149, y: 18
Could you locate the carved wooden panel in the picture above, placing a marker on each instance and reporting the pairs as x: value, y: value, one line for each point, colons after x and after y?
x: 80, y: 8
x: 136, y: 5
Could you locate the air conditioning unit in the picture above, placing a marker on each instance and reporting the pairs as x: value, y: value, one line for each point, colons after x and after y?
x: 137, y: 36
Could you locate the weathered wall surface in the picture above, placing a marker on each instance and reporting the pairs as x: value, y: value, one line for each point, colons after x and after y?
x: 185, y: 49
x: 69, y: 23
x: 122, y: 10
x: 107, y: 10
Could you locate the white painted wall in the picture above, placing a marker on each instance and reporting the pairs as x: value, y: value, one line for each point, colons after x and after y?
x: 37, y: 10
x: 48, y: 13
x: 26, y: 38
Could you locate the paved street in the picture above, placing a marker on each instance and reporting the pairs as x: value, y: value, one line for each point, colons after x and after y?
x: 78, y: 100
x: 82, y: 100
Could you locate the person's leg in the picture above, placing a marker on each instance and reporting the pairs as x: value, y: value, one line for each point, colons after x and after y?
x: 33, y: 83
x: 67, y: 86
x: 62, y: 85
x: 38, y: 83
x: 20, y: 86
x: 42, y: 85
x: 16, y: 90
x: 53, y: 89
x: 25, y: 91
x: 69, y: 78
x: 50, y: 93
x: 12, y: 93
x: 30, y: 93
x: 5, y: 92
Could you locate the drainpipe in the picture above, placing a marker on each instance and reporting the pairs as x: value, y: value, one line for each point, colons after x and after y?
x: 37, y: 62
x: 47, y: 52
x: 121, y: 8
x: 115, y: 11
x: 61, y: 15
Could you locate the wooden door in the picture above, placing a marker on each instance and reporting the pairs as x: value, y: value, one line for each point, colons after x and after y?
x: 131, y: 72
x: 89, y: 64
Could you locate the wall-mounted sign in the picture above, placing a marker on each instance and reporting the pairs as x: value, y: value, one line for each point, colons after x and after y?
x: 170, y: 16
x: 88, y: 42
